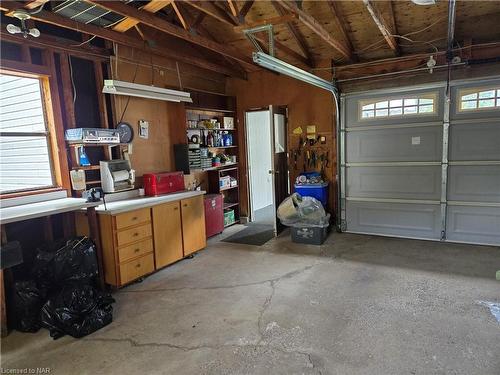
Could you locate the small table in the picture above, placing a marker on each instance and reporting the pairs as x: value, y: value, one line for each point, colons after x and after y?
x: 47, y: 208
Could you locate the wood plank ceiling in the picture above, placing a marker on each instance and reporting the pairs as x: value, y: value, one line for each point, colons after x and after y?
x: 308, y: 34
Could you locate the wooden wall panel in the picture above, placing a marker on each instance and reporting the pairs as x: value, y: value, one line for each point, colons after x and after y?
x: 167, y: 120
x: 306, y: 104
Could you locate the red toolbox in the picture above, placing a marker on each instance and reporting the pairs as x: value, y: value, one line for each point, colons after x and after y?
x: 163, y: 183
x: 214, y: 214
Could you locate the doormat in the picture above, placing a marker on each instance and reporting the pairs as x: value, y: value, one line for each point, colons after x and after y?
x: 253, y: 234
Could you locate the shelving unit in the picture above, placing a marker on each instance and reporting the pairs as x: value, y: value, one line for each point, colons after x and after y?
x: 230, y: 194
x: 92, y: 172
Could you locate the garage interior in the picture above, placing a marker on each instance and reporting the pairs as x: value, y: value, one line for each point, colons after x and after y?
x: 250, y: 187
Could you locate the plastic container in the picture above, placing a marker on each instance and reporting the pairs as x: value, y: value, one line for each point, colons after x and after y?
x: 229, y: 217
x: 318, y: 191
x: 309, y: 235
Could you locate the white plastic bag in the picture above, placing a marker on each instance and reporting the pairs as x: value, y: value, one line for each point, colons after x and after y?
x: 298, y: 211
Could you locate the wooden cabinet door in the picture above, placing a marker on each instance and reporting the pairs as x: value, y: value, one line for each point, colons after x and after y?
x: 167, y: 233
x: 193, y: 224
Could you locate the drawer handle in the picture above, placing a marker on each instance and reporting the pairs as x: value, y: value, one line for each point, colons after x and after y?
x: 135, y: 234
x: 138, y: 265
x: 137, y: 250
x: 184, y: 205
x: 176, y: 208
x: 134, y: 218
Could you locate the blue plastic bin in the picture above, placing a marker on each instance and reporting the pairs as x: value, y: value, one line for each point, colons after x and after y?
x: 318, y: 191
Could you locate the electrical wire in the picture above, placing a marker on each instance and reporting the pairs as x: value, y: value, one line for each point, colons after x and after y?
x: 128, y: 97
x: 72, y: 79
x: 95, y: 36
x: 404, y: 36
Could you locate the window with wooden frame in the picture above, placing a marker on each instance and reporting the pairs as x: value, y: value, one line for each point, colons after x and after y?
x: 402, y: 106
x: 27, y: 139
x: 485, y: 98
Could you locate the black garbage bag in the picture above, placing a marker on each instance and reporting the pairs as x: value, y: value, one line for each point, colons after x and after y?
x: 77, y: 310
x: 27, y: 303
x: 65, y: 260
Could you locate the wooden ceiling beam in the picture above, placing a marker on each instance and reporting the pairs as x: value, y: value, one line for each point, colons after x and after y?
x: 120, y: 38
x: 162, y: 25
x: 317, y: 28
x: 35, y: 4
x: 385, y: 29
x: 211, y: 10
x: 337, y: 17
x: 234, y: 7
x: 179, y: 15
x: 224, y: 8
x: 268, y: 21
x: 199, y: 29
x: 245, y: 9
x: 152, y: 7
x: 296, y: 34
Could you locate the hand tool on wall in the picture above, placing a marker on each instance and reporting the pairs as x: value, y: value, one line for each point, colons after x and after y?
x: 327, y: 159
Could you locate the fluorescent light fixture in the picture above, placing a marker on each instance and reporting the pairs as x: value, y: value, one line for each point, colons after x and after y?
x: 279, y: 66
x: 144, y: 91
x: 424, y: 2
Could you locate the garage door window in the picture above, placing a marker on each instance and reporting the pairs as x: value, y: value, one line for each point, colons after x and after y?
x: 479, y: 99
x: 25, y: 156
x: 398, y: 107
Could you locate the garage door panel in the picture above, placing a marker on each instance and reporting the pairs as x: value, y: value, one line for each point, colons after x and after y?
x: 402, y: 144
x: 408, y: 182
x: 473, y: 224
x: 353, y: 108
x: 455, y: 112
x: 475, y: 141
x: 474, y: 183
x: 397, y: 219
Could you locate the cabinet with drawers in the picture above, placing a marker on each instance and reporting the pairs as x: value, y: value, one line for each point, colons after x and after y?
x: 127, y: 244
x: 138, y: 242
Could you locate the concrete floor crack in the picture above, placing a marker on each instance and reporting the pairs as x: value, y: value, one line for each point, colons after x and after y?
x: 285, y: 276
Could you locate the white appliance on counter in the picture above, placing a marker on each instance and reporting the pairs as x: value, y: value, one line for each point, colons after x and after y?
x: 116, y: 175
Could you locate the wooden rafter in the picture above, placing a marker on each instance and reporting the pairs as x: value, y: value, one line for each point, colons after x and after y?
x: 317, y: 28
x: 152, y: 7
x: 180, y: 16
x: 224, y: 8
x: 211, y: 10
x: 234, y: 7
x: 35, y: 4
x: 267, y: 21
x: 199, y: 29
x: 296, y: 34
x: 227, y: 19
x: 245, y: 9
x: 385, y: 29
x: 120, y: 38
x: 338, y: 17
x: 162, y: 25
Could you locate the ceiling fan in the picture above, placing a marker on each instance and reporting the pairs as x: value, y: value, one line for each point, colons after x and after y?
x: 22, y: 15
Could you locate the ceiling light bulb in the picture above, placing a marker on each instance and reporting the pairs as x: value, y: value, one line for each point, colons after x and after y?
x: 35, y: 33
x: 13, y: 29
x: 431, y: 63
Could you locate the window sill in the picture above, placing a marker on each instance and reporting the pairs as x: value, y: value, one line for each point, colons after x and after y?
x: 21, y: 194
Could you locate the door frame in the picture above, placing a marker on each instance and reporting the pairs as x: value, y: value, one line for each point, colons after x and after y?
x: 269, y: 109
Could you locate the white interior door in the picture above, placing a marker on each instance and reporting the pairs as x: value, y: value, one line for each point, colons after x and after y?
x: 258, y: 129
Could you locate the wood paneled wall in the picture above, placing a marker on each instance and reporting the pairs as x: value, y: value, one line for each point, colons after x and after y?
x: 167, y: 120
x: 306, y: 104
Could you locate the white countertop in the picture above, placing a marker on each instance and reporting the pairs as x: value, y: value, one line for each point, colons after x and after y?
x: 41, y: 209
x: 117, y: 207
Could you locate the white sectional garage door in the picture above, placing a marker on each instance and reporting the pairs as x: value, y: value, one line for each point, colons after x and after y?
x: 408, y: 169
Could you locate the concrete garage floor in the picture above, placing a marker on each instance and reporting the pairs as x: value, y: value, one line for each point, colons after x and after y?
x: 357, y: 305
